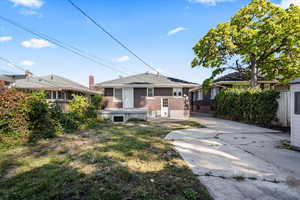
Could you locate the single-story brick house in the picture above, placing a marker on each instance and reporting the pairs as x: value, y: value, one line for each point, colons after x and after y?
x: 146, y: 96
x: 201, y: 101
x: 58, y: 89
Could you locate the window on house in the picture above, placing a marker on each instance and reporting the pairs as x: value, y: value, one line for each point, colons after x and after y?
x: 118, y: 118
x: 53, y: 94
x: 200, y: 95
x: 214, y: 92
x: 165, y: 103
x: 177, y: 92
x: 150, y: 92
x: 60, y: 95
x: 118, y: 94
x: 297, y: 103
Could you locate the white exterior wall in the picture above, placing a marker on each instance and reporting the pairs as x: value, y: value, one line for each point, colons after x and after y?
x: 295, y: 119
x: 284, y: 109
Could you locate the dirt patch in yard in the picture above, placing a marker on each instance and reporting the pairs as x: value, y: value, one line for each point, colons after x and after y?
x: 130, y: 161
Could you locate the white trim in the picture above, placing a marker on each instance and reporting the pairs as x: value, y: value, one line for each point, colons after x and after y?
x: 148, y: 92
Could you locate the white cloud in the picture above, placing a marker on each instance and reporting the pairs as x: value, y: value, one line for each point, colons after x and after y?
x: 123, y: 59
x: 27, y: 63
x: 36, y: 43
x: 28, y: 3
x: 28, y: 12
x: 286, y: 3
x: 176, y: 30
x: 5, y: 38
x: 209, y: 2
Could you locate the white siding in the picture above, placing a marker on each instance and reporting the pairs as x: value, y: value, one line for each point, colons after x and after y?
x: 295, y: 122
x: 284, y: 109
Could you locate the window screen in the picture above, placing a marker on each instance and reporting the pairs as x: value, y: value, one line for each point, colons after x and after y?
x: 297, y: 103
x: 118, y: 94
x: 150, y: 92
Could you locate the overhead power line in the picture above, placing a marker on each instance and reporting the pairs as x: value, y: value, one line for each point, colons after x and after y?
x: 65, y: 46
x: 13, y: 65
x: 112, y: 36
x: 62, y: 45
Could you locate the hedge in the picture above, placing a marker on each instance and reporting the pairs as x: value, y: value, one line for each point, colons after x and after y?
x: 30, y: 117
x: 251, y: 106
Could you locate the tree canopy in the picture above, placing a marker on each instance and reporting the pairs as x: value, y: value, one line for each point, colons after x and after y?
x: 261, y: 38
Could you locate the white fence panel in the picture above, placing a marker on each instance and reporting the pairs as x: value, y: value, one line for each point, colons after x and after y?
x: 284, y: 108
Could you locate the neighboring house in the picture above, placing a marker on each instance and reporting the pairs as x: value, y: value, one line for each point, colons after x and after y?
x: 147, y: 96
x: 295, y: 113
x: 58, y: 89
x: 7, y: 81
x: 201, y: 101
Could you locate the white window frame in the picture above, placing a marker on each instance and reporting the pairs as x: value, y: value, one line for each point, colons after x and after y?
x: 148, y: 93
x: 114, y: 95
x: 176, y: 92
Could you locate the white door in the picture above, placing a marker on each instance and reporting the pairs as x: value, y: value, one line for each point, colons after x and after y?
x: 164, y: 107
x: 128, y: 101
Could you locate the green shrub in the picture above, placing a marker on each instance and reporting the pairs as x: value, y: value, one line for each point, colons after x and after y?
x: 67, y: 121
x: 39, y: 116
x: 13, y: 113
x: 97, y: 101
x: 78, y: 107
x: 252, y: 106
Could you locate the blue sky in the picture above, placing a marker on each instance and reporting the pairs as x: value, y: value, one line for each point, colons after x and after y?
x: 162, y: 32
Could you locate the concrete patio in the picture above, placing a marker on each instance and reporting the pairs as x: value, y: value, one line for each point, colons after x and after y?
x: 240, y: 161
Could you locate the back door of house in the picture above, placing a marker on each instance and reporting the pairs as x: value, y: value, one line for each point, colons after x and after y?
x: 128, y: 100
x: 164, y: 107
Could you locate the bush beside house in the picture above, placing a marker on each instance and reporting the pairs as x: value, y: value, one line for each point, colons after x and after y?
x: 30, y: 116
x: 251, y: 106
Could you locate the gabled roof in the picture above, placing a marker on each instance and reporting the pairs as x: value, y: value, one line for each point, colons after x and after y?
x: 6, y: 78
x: 237, y: 76
x: 147, y: 80
x: 11, y: 77
x: 52, y: 82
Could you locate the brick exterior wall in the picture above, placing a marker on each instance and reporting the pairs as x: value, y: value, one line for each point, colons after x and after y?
x: 150, y: 103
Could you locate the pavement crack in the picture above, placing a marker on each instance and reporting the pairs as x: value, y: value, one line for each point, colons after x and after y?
x: 241, y: 178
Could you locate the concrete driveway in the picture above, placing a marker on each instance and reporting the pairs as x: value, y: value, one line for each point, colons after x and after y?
x: 240, y: 161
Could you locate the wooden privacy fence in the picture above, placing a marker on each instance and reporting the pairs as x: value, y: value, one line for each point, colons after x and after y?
x: 284, y: 109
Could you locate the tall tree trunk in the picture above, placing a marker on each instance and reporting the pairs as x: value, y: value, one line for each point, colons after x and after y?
x: 253, y: 71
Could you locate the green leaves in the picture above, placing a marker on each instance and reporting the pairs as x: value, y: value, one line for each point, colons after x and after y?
x: 262, y: 29
x: 251, y: 106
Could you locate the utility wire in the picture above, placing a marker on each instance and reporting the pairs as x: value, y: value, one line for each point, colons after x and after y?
x: 13, y: 65
x: 61, y: 44
x: 112, y: 36
x: 67, y: 47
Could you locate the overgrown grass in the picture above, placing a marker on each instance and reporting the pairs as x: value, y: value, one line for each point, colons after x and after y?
x: 131, y: 161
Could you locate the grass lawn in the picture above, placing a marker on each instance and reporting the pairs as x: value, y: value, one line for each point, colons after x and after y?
x: 129, y: 161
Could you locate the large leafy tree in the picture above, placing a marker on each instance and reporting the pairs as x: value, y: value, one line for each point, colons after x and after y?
x: 261, y: 39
